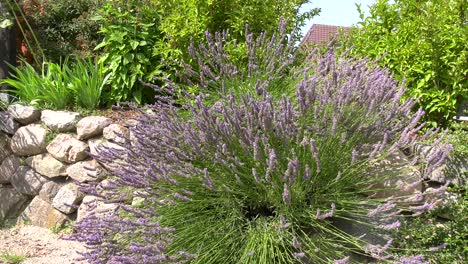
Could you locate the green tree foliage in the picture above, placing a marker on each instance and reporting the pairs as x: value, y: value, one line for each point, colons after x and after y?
x: 182, y: 21
x: 138, y: 35
x: 424, y: 43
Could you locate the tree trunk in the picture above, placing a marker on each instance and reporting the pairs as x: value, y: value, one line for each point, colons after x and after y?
x: 7, y: 50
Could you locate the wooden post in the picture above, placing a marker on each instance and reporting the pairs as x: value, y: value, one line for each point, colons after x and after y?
x: 7, y: 50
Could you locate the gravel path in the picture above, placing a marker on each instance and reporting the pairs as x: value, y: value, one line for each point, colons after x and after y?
x: 39, y: 246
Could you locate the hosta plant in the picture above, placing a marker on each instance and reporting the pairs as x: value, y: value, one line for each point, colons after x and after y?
x: 251, y: 179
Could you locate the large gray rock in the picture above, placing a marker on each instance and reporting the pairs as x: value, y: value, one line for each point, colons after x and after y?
x: 116, y: 133
x: 86, y: 171
x: 50, y: 189
x: 91, y: 126
x: 99, y: 208
x: 67, y: 197
x: 98, y: 145
x: 7, y: 124
x: 25, y: 115
x: 397, y: 178
x: 455, y: 167
x: 47, y: 165
x: 27, y: 181
x: 12, y: 202
x: 41, y: 213
x: 94, y: 144
x: 29, y: 140
x: 8, y: 167
x: 62, y: 121
x: 5, y: 150
x: 68, y: 149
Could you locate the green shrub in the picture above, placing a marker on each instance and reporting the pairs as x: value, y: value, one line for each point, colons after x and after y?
x: 130, y: 30
x: 446, y: 239
x: 64, y: 27
x: 183, y: 21
x: 422, y: 43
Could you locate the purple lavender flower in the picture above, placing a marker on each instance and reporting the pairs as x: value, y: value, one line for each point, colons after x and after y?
x: 419, y: 259
x: 286, y: 195
x: 295, y: 242
x: 391, y: 226
x: 198, y: 161
x: 418, y: 210
x: 384, y: 208
x: 377, y: 251
x: 344, y: 260
x: 283, y: 222
x: 299, y: 255
x: 323, y: 216
x: 439, y: 247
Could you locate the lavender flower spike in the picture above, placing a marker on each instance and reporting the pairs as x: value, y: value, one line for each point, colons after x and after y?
x: 342, y: 261
x: 439, y: 247
x: 419, y: 259
x: 391, y: 226
x: 326, y: 215
x: 286, y: 195
x: 381, y: 209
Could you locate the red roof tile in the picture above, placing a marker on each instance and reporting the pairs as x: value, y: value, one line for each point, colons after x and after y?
x: 319, y: 34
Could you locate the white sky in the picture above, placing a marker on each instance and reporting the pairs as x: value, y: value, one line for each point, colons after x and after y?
x: 336, y: 12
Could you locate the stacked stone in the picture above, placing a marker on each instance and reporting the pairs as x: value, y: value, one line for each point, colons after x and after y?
x: 38, y: 179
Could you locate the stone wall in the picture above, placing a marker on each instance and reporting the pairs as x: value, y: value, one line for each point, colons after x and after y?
x: 43, y: 154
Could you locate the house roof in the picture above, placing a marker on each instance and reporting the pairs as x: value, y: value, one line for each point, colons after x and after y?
x: 319, y: 34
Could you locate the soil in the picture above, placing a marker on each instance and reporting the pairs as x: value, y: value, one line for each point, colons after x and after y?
x: 39, y: 246
x: 123, y: 117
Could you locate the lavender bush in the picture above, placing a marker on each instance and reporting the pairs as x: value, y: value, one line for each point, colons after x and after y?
x: 222, y: 66
x: 256, y: 179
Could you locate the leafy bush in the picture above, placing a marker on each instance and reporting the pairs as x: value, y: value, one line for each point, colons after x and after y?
x: 423, y: 43
x: 182, y: 21
x: 445, y: 239
x: 130, y: 30
x: 58, y: 86
x: 252, y: 179
x: 137, y: 36
x: 65, y: 27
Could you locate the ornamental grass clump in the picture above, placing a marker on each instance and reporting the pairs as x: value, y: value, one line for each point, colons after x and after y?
x: 252, y: 179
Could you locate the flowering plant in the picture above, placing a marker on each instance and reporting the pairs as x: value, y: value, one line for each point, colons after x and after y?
x: 253, y: 178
